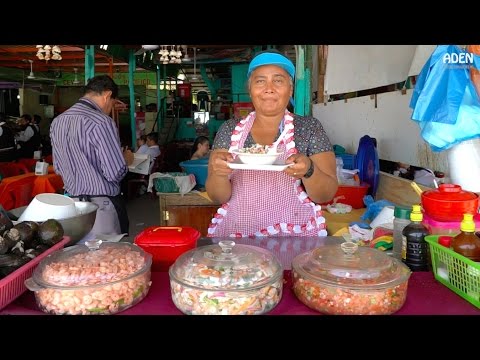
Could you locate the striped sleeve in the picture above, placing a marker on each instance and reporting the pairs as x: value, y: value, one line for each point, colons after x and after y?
x: 108, y: 150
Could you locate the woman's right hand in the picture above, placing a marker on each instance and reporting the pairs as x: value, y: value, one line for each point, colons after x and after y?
x: 217, y: 164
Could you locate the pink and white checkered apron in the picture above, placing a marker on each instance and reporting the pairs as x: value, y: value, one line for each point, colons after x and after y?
x: 267, y: 203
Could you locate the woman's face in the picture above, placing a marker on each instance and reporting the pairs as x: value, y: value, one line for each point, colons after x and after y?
x: 204, y: 148
x: 270, y: 90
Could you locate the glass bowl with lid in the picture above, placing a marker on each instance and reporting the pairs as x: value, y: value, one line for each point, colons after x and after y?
x: 92, y: 279
x: 226, y: 279
x: 349, y: 280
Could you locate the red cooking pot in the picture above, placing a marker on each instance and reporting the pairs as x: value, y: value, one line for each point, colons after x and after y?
x: 449, y: 202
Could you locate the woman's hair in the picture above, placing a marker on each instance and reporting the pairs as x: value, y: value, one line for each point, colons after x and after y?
x: 143, y: 138
x: 199, y: 140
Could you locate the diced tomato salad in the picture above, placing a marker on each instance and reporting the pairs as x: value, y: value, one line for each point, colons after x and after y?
x: 343, y: 301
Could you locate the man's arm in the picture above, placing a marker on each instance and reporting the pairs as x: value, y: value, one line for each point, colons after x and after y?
x: 25, y: 135
x: 107, y: 145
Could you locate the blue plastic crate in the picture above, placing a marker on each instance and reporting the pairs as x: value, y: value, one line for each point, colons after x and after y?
x: 348, y: 160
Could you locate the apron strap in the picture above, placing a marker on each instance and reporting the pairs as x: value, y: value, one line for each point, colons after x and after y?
x: 118, y: 203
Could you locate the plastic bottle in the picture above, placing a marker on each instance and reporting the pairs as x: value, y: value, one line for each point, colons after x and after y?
x: 467, y: 243
x: 339, y: 162
x: 416, y: 248
x: 401, y: 219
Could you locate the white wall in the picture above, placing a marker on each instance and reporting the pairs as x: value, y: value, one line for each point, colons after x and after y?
x: 398, y: 137
x: 359, y: 67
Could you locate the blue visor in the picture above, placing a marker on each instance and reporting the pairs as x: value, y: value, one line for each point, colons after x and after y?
x: 272, y: 59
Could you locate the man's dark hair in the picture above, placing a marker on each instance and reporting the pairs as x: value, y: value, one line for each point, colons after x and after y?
x: 153, y: 136
x: 101, y: 83
x: 37, y: 119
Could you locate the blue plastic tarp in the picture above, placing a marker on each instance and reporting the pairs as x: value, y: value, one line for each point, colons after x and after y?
x: 445, y: 102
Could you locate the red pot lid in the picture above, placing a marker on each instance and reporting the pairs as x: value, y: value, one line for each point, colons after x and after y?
x: 449, y: 192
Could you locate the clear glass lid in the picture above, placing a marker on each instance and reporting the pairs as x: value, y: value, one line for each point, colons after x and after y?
x: 91, y: 264
x: 351, y: 266
x: 226, y: 266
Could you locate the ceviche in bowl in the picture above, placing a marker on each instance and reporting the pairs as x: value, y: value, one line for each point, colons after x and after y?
x: 226, y: 279
x: 92, y: 279
x: 350, y: 280
x: 258, y: 154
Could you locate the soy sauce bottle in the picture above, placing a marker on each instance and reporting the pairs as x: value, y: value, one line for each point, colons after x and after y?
x: 416, y: 255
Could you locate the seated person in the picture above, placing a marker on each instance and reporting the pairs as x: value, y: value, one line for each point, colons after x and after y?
x: 142, y: 145
x: 28, y: 139
x: 7, y: 141
x: 153, y: 148
x: 153, y: 151
x: 201, y: 148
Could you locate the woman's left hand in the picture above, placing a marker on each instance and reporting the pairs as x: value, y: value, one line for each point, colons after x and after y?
x: 301, y: 164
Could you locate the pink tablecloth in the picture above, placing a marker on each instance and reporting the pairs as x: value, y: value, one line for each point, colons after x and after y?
x: 425, y: 297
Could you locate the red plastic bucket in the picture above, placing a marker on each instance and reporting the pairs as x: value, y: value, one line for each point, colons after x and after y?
x: 352, y: 195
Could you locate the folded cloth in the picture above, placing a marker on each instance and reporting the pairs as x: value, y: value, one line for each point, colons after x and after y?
x: 357, y: 233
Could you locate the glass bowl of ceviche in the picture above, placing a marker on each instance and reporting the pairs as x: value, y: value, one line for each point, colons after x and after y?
x: 350, y: 280
x: 226, y: 279
x: 92, y: 279
x: 257, y: 154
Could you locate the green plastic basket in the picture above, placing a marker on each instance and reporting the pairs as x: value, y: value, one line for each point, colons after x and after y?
x: 455, y: 271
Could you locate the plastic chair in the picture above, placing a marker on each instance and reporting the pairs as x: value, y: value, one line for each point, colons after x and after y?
x: 9, y: 169
x: 22, y: 194
x: 49, y: 159
x: 17, y: 193
x: 134, y: 184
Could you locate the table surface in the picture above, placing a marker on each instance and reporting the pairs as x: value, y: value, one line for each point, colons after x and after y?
x: 425, y: 296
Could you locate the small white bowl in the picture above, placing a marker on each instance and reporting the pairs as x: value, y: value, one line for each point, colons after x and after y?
x: 257, y: 159
x: 49, y: 206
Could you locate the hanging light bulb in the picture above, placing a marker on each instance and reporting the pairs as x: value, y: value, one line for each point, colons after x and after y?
x: 173, y: 56
x: 47, y: 52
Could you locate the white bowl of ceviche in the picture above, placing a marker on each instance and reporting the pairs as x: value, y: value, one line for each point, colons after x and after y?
x: 257, y: 154
x: 226, y: 279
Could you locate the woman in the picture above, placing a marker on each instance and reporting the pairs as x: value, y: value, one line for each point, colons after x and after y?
x: 272, y: 203
x: 200, y: 148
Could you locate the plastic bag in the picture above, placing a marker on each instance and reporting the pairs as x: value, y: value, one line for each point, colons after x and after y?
x: 440, y: 87
x: 373, y: 207
x: 173, y: 182
x: 445, y: 102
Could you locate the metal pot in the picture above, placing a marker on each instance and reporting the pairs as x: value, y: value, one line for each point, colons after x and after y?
x: 75, y: 227
x: 449, y: 202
